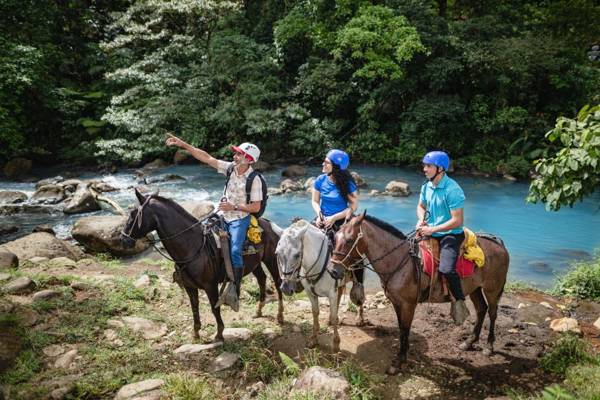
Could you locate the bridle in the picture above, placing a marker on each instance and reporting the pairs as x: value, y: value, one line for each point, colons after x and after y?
x: 139, y: 219
x: 294, y: 274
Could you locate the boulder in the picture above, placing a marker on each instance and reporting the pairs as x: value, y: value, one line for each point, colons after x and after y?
x: 42, y: 244
x: 262, y: 166
x: 49, y: 181
x: 290, y: 185
x: 597, y: 323
x: 236, y: 334
x: 102, y: 234
x: 44, y: 295
x: 17, y: 168
x: 323, y: 380
x: 23, y: 208
x: 397, y: 189
x: 82, y: 201
x: 184, y: 157
x: 139, y: 389
x: 66, y: 360
x: 8, y: 229
x: 189, y: 349
x: 156, y: 164
x: 199, y: 209
x: 8, y: 260
x: 360, y: 182
x: 12, y: 197
x: 70, y: 185
x: 49, y: 194
x: 293, y: 171
x: 22, y: 285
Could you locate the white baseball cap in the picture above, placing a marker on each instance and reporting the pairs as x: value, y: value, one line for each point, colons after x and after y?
x: 249, y: 150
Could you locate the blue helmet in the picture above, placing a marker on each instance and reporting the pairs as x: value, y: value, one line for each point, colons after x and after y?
x: 339, y: 158
x: 437, y: 158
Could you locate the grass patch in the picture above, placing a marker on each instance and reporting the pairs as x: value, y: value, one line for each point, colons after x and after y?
x: 583, y: 380
x: 188, y: 387
x: 519, y: 286
x: 567, y: 351
x: 582, y: 280
x: 26, y: 365
x: 109, y: 261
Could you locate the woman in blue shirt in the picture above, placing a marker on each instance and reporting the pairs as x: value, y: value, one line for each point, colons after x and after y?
x: 335, y: 199
x: 334, y: 193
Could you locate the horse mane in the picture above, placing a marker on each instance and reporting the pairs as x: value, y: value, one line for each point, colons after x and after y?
x: 385, y: 226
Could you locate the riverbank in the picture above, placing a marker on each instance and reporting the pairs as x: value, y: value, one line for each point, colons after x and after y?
x: 83, y: 340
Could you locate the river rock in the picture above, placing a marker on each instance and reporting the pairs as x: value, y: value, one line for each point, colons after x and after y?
x: 22, y: 285
x: 262, y: 166
x: 44, y: 228
x: 360, y: 182
x: 27, y: 316
x: 188, y: 349
x: 12, y: 197
x: 17, y: 168
x: 149, y: 329
x: 534, y: 313
x: 565, y: 325
x: 54, y: 350
x: 38, y: 260
x: 55, y: 180
x: 397, y: 189
x: 49, y: 194
x: 182, y: 156
x: 66, y: 360
x: 62, y: 262
x: 323, y: 380
x: 165, y: 178
x: 42, y: 244
x: 82, y: 201
x: 293, y: 171
x: 7, y: 229
x: 597, y: 323
x: 143, y: 281
x: 199, y: 209
x: 102, y: 234
x: 139, y: 389
x: 24, y: 208
x: 156, y: 164
x: 8, y: 260
x: 10, y: 346
x: 224, y: 361
x: 237, y: 334
x: 80, y: 286
x: 70, y: 185
x: 44, y: 295
x: 290, y: 185
x: 4, y: 277
x: 102, y: 187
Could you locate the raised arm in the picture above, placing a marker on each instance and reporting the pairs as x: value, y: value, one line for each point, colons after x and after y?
x: 197, y: 153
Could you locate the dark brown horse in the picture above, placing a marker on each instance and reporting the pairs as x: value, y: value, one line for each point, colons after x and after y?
x: 197, y: 264
x: 393, y: 258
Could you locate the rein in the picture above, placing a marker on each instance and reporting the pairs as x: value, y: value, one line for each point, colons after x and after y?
x: 139, y: 219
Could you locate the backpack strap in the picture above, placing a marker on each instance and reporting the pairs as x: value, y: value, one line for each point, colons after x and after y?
x: 249, y: 181
x: 228, y: 175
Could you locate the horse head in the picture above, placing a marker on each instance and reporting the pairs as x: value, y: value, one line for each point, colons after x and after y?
x: 349, y: 246
x: 139, y: 222
x: 289, y: 255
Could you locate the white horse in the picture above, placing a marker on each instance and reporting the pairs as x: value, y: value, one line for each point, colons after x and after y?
x: 303, y: 254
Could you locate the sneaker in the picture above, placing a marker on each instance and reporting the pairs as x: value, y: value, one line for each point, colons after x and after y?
x: 459, y: 312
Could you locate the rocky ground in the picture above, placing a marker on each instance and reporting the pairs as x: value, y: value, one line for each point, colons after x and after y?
x: 100, y: 328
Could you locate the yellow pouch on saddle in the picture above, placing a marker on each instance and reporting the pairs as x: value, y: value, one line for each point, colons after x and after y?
x: 472, y: 251
x: 254, y: 230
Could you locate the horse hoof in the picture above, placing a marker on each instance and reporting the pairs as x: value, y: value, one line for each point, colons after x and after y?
x: 280, y: 320
x: 257, y: 315
x: 361, y: 322
x: 392, y: 370
x: 218, y: 338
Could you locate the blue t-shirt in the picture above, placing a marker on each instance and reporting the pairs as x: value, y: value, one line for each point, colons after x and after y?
x: 439, y: 200
x: 332, y: 201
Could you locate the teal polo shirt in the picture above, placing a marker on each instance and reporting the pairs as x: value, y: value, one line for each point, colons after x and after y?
x: 439, y: 200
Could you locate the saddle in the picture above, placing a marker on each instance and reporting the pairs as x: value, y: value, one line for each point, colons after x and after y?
x: 253, y: 244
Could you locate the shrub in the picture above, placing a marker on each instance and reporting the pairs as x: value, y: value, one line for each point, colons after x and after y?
x: 566, y: 352
x: 582, y: 280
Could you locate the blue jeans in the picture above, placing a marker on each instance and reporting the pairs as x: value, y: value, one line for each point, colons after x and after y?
x: 237, y: 236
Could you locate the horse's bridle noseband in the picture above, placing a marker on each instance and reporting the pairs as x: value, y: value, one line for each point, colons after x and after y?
x: 349, y: 253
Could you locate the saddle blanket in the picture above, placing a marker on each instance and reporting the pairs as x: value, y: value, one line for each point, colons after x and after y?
x: 464, y: 267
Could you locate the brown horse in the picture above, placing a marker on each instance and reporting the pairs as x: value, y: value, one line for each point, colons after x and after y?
x: 198, y: 265
x: 395, y: 259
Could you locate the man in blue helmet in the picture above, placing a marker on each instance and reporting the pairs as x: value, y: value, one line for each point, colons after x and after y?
x: 440, y: 215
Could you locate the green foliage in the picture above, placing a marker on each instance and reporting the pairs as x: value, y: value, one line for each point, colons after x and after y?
x: 291, y: 367
x: 578, y: 379
x: 582, y: 280
x: 188, y: 387
x: 574, y: 171
x: 569, y: 350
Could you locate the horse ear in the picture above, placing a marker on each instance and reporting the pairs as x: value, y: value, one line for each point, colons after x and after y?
x: 141, y: 198
x: 154, y: 192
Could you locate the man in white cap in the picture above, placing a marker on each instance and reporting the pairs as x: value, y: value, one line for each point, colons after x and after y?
x: 234, y: 205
